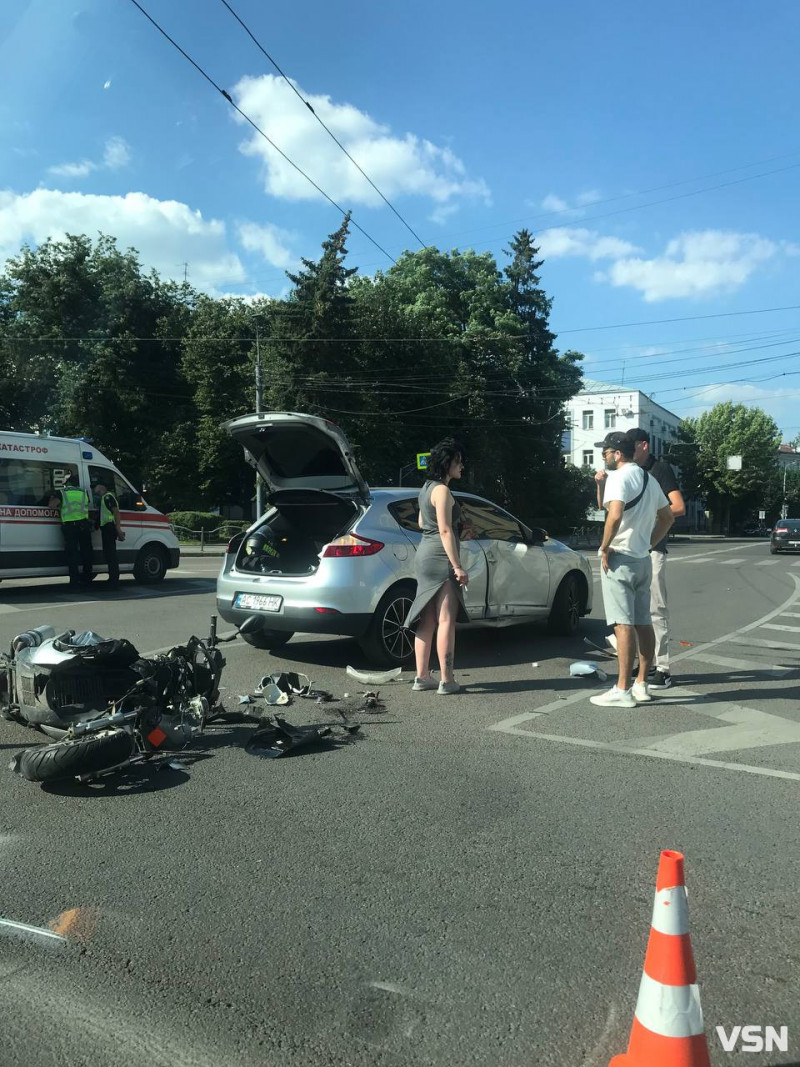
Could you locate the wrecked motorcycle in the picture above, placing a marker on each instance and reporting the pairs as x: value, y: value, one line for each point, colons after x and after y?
x: 107, y: 706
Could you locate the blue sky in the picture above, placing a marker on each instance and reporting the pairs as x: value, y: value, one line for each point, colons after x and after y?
x: 473, y: 119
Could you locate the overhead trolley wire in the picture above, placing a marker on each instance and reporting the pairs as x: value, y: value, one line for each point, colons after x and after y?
x: 258, y: 129
x: 325, y: 127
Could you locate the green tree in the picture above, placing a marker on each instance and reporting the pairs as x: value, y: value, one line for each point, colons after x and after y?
x: 702, y: 452
x: 88, y: 343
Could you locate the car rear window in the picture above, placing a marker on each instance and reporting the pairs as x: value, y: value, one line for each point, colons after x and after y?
x: 789, y: 524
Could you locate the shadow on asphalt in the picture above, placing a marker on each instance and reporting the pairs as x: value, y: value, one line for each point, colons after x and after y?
x: 23, y: 596
x: 141, y: 778
x: 513, y: 646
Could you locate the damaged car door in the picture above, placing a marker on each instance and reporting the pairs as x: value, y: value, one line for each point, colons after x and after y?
x: 518, y: 571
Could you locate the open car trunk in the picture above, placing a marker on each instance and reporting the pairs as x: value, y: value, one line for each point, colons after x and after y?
x: 290, y: 537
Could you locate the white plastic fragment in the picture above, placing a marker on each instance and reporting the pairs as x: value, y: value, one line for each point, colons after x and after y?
x: 586, y: 668
x: 375, y: 678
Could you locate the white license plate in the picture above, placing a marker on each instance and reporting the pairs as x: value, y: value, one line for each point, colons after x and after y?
x: 258, y: 602
x: 794, y: 543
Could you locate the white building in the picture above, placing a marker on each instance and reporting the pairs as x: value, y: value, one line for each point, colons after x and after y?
x: 599, y: 408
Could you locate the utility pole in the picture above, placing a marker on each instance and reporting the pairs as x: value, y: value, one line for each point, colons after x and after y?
x: 185, y: 271
x: 784, y: 509
x: 259, y: 502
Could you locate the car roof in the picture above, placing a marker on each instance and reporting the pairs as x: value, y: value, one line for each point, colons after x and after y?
x: 395, y: 492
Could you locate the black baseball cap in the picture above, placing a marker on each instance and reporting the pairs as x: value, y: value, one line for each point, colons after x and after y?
x: 613, y: 440
x: 638, y: 434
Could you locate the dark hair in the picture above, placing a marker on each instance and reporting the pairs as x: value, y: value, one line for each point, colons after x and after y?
x: 638, y: 434
x: 442, y: 456
x: 626, y: 445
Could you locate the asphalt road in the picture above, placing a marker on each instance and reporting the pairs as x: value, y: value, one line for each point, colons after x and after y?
x: 470, y: 883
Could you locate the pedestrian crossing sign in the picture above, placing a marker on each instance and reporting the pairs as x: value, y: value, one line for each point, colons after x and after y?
x: 422, y: 460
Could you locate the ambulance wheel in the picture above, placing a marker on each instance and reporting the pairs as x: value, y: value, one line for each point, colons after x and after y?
x: 151, y: 565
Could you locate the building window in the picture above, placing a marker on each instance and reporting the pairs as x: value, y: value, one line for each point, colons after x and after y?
x: 611, y: 418
x: 588, y: 420
x: 588, y: 458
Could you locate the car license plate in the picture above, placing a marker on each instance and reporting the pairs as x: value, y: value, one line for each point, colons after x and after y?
x: 794, y: 542
x: 258, y: 602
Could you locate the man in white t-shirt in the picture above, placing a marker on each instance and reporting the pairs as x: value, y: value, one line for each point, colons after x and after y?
x: 638, y: 516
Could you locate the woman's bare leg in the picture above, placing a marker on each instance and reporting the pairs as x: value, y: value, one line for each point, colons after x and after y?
x: 447, y: 613
x: 423, y: 640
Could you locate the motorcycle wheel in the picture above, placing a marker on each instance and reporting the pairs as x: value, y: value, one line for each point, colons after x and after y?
x: 71, y: 759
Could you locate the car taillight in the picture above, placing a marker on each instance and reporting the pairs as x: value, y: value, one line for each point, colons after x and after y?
x: 781, y: 529
x: 352, y: 545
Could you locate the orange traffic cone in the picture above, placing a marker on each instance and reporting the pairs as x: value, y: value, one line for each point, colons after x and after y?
x: 667, y: 1026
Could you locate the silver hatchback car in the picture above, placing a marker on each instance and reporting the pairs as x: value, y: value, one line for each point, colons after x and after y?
x: 332, y: 556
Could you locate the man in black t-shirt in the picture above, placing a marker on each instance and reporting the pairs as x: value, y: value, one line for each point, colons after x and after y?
x: 663, y: 473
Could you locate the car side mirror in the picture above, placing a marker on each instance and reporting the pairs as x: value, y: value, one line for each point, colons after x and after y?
x: 538, y: 536
x: 139, y: 504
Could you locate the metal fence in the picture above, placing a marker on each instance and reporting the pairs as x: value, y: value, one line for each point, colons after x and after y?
x: 218, y: 536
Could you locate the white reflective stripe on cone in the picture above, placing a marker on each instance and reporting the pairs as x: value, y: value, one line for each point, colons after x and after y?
x: 671, y: 911
x: 669, y: 1010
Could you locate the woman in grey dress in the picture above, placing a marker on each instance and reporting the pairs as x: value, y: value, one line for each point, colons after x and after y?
x: 439, y: 603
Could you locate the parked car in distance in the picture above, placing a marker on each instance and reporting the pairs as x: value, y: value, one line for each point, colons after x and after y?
x: 785, y: 536
x: 333, y: 556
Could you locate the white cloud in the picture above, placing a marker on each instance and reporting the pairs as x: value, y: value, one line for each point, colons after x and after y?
x: 406, y: 165
x: 116, y: 154
x: 695, y: 264
x: 554, y: 203
x: 591, y: 196
x: 576, y: 241
x: 73, y: 170
x: 165, y: 232
x: 271, y: 242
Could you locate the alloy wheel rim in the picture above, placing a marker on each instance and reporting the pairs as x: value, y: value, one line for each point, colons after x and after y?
x: 397, y: 640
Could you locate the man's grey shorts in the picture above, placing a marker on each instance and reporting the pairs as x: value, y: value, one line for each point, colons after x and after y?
x: 626, y: 590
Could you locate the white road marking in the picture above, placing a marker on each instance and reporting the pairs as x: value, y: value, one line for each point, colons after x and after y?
x: 780, y: 626
x: 767, y: 562
x: 7, y: 609
x: 731, y: 562
x: 35, y: 931
x: 747, y: 727
x: 745, y: 665
x: 696, y: 559
x: 765, y: 644
x: 790, y: 615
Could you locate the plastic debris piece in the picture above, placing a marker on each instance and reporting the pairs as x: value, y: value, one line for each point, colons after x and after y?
x: 587, y: 669
x: 373, y: 678
x: 534, y: 665
x: 347, y: 696
x: 288, y: 682
x: 274, y: 695
x: 686, y: 644
x: 277, y: 737
x: 246, y: 699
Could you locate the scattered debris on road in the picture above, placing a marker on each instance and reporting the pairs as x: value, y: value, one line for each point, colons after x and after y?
x: 587, y: 669
x: 277, y: 737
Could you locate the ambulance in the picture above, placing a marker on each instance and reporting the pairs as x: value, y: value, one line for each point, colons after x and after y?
x: 32, y: 467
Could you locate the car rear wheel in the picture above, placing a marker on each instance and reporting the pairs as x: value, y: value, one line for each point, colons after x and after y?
x: 268, y: 638
x: 567, y: 606
x: 387, y: 643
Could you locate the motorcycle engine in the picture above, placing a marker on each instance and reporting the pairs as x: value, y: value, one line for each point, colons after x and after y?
x: 178, y: 729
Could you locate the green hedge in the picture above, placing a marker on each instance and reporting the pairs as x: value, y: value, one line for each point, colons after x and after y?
x: 207, y: 520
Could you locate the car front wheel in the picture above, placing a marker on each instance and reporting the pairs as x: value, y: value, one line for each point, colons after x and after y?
x: 387, y: 643
x: 567, y: 606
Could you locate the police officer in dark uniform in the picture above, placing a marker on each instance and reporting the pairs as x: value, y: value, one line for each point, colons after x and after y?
x: 110, y: 526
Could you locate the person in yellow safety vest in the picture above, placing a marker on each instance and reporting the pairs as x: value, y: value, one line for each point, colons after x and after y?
x: 73, y: 505
x: 110, y: 526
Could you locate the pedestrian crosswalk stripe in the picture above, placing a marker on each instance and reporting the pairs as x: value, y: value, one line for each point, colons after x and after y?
x: 764, y: 644
x: 6, y: 609
x: 697, y: 559
x: 780, y: 626
x: 730, y: 562
x: 748, y: 665
x: 767, y: 562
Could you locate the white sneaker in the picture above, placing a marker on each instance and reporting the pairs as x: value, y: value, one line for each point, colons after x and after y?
x: 447, y: 689
x: 614, y: 698
x: 421, y: 685
x: 641, y: 693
